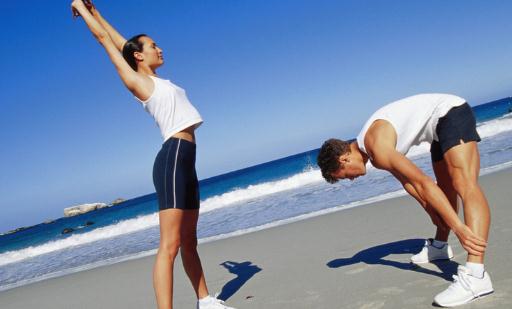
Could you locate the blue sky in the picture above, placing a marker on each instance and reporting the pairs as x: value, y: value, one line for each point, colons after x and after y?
x: 270, y: 78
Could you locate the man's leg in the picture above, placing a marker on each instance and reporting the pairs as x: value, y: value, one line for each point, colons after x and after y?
x: 438, y: 248
x: 444, y: 182
x: 463, y: 165
x: 458, y: 142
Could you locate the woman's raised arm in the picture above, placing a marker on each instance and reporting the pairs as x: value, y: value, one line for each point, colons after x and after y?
x: 116, y: 37
x: 139, y: 84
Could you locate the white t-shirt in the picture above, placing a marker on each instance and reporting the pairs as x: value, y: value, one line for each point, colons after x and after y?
x: 170, y: 107
x: 414, y: 118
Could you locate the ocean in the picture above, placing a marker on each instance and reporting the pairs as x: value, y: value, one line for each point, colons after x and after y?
x: 242, y: 201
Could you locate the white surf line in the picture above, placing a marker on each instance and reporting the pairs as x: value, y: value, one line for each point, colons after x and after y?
x: 80, y: 268
x: 386, y: 196
x: 495, y: 168
x: 201, y: 241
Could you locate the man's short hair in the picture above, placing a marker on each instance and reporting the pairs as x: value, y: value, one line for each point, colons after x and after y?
x: 328, y: 157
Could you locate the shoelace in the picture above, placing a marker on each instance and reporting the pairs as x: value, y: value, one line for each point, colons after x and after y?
x: 464, y: 282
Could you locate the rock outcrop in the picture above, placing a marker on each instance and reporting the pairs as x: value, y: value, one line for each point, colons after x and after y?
x: 118, y: 201
x: 81, y: 209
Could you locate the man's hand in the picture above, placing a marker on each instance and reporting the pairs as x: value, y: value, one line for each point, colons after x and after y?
x: 472, y: 244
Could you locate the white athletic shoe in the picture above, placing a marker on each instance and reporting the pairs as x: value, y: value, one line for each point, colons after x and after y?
x: 430, y: 253
x: 212, y: 303
x: 464, y: 289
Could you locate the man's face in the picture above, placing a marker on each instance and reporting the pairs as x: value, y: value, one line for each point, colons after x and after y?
x: 350, y: 168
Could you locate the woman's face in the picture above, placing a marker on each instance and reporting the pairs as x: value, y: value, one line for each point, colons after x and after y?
x: 153, y: 55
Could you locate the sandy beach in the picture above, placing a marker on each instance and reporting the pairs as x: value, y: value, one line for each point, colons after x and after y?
x: 355, y: 258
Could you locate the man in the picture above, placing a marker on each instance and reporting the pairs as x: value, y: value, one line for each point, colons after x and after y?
x: 447, y: 122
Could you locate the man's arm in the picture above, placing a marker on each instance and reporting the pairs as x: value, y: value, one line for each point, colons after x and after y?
x: 380, y: 142
x: 434, y: 216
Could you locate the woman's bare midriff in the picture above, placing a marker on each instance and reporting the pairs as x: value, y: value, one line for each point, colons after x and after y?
x: 187, y: 134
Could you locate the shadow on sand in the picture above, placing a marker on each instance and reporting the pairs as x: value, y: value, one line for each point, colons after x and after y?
x: 244, y: 272
x: 376, y: 255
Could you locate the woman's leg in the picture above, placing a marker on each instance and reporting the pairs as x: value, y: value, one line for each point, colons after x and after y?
x: 171, y: 221
x: 189, y: 255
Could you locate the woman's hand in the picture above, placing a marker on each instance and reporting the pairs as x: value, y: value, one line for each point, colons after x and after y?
x: 89, y: 5
x: 76, y: 5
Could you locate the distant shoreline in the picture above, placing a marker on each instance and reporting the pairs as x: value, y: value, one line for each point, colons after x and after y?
x: 79, y: 212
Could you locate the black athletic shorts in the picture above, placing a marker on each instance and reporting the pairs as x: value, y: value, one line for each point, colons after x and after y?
x: 174, y: 175
x: 458, y: 124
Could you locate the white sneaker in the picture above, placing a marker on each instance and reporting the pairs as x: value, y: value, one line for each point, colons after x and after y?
x: 430, y: 253
x: 212, y: 303
x: 464, y: 289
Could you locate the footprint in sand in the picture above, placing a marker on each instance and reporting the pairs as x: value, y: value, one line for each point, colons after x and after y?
x: 415, y: 301
x: 393, y: 290
x: 357, y: 270
x: 418, y: 282
x: 372, y: 305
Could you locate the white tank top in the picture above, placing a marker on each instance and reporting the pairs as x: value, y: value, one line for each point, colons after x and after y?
x: 414, y: 118
x: 170, y: 107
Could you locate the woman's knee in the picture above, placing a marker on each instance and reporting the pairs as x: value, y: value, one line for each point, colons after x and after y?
x: 189, y: 244
x: 169, y: 248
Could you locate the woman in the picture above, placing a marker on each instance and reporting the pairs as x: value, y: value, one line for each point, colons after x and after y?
x: 174, y: 175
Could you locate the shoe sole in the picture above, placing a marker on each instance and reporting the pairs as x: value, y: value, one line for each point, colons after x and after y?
x: 480, y: 296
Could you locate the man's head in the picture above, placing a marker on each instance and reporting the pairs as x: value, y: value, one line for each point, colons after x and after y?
x: 339, y: 159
